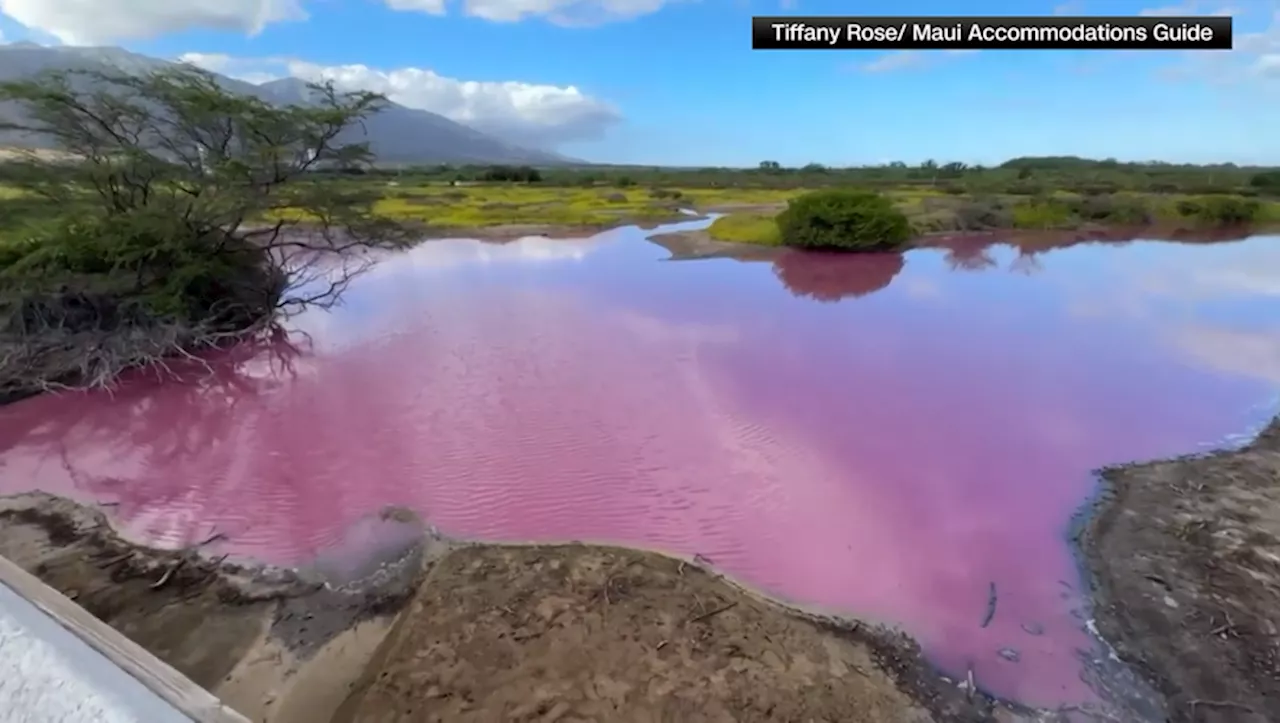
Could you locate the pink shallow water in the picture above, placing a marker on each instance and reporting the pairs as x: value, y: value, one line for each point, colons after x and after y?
x: 882, y: 436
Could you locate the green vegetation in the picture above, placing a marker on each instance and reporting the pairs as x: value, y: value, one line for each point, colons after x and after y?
x: 843, y: 219
x: 1024, y: 193
x: 478, y: 206
x: 1019, y: 195
x: 177, y: 216
x: 1022, y: 177
x: 747, y: 228
x: 157, y: 247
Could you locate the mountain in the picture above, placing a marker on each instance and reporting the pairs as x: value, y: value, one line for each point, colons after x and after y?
x: 397, y: 135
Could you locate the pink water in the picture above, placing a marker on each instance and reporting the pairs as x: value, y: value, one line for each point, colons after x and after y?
x: 878, y: 436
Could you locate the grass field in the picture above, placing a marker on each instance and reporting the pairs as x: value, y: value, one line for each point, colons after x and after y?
x: 938, y: 213
x: 477, y: 206
x: 496, y: 205
x: 748, y: 228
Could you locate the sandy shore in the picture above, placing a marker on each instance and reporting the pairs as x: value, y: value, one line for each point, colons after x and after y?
x: 436, y: 631
x: 1185, y: 556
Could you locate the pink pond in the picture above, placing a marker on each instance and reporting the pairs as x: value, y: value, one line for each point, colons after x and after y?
x: 885, y: 437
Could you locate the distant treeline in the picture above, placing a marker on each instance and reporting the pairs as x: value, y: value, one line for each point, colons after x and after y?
x: 1028, y: 176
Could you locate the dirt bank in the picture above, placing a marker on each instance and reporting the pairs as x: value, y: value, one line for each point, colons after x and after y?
x: 689, y: 245
x: 277, y: 646
x: 1185, y: 556
x: 578, y: 633
x: 485, y: 633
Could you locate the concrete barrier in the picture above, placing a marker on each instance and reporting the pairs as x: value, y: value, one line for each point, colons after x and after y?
x: 59, y: 664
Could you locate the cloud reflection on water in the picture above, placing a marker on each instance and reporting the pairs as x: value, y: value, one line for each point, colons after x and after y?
x: 873, y: 454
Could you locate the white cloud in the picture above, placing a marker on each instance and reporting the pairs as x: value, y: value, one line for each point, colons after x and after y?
x: 909, y: 60
x: 1191, y: 7
x: 1253, y: 57
x: 899, y: 60
x: 90, y: 22
x: 1246, y: 353
x: 104, y: 22
x: 448, y: 253
x: 1267, y: 41
x: 250, y: 71
x: 530, y: 114
x: 1169, y: 11
x: 561, y: 12
x: 431, y: 7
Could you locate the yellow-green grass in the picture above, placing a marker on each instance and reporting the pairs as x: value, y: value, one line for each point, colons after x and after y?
x: 1269, y: 213
x: 747, y: 228
x: 485, y: 205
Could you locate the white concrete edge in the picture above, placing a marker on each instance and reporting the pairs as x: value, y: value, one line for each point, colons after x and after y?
x: 154, y: 674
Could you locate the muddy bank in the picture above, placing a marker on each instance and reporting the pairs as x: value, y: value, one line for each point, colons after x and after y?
x: 275, y: 645
x: 483, y: 633
x: 1185, y: 559
x: 585, y: 633
x: 689, y: 245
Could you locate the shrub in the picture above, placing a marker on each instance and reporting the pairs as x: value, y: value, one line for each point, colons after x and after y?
x: 1114, y: 209
x: 1267, y: 182
x: 843, y: 219
x: 1042, y: 213
x: 511, y: 174
x: 981, y: 214
x: 1219, y: 210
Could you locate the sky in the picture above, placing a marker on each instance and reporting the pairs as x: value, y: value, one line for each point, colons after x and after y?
x: 675, y: 82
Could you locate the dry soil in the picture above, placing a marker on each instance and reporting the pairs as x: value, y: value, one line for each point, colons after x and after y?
x: 1185, y: 556
x: 458, y: 633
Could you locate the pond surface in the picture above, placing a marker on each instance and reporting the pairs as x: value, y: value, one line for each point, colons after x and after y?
x: 892, y: 437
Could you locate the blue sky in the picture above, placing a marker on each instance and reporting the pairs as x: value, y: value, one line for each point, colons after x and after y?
x: 675, y: 81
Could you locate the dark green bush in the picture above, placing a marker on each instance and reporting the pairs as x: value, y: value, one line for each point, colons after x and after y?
x: 843, y: 219
x: 512, y: 174
x: 1267, y: 182
x: 1219, y: 210
x: 983, y: 213
x: 1112, y: 209
x: 1042, y: 213
x: 147, y: 263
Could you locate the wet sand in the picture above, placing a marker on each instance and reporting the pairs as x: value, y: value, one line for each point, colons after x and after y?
x: 448, y: 632
x: 1185, y: 556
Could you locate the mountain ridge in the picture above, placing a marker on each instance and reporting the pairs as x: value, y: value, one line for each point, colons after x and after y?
x: 398, y: 135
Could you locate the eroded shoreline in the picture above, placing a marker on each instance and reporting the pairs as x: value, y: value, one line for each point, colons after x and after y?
x: 1183, y: 556
x: 514, y: 632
